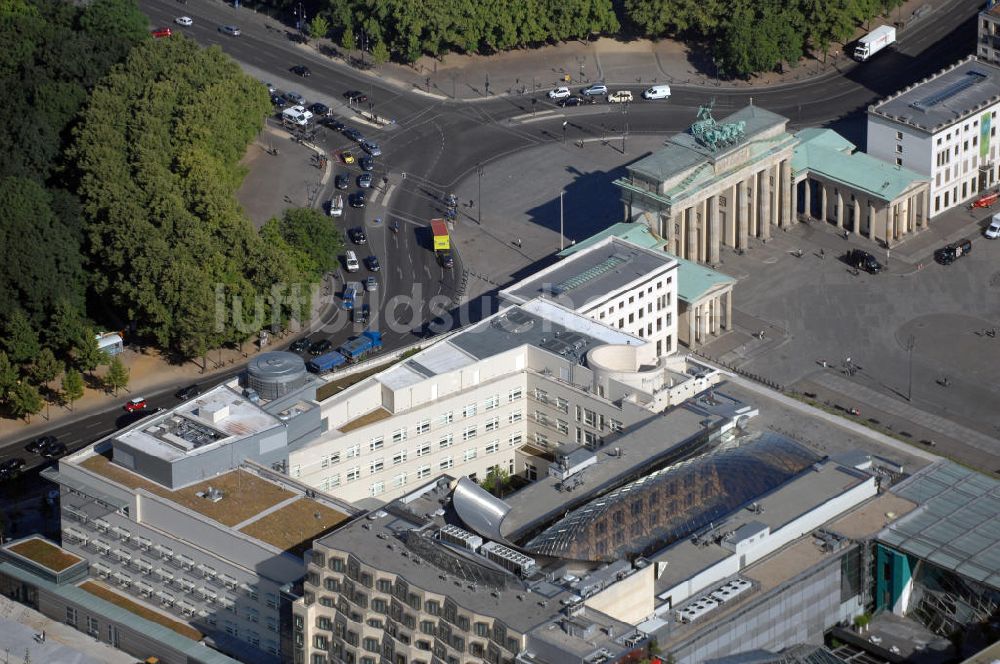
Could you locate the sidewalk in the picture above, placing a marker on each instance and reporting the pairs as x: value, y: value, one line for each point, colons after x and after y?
x: 612, y: 61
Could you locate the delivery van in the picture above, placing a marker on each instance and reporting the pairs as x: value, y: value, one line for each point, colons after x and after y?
x: 657, y: 92
x: 351, y: 261
x: 993, y: 230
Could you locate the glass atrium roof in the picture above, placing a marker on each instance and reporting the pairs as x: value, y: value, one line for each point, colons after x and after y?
x: 671, y: 504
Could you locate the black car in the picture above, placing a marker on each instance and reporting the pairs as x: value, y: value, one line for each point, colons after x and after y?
x: 358, y: 200
x: 372, y: 263
x: 54, y: 450
x: 862, y: 260
x: 362, y: 314
x: 570, y: 101
x: 366, y: 164
x: 188, y: 392
x: 279, y: 101
x: 949, y: 254
x: 445, y: 259
x: 332, y: 123
x: 365, y: 180
x: 356, y: 96
x: 342, y: 181
x: 320, y: 110
x: 12, y: 466
x: 38, y: 444
x: 320, y: 347
x: 301, y: 70
x: 358, y: 234
x: 299, y: 345
x: 354, y: 134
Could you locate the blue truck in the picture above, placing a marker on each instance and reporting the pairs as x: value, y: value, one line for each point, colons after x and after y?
x: 356, y: 348
x: 352, y: 291
x: 326, y: 363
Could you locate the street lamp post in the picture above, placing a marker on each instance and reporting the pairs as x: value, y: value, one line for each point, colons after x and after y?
x: 480, y: 171
x: 910, y: 343
x: 565, y: 122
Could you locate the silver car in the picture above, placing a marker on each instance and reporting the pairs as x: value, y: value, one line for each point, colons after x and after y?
x: 371, y: 284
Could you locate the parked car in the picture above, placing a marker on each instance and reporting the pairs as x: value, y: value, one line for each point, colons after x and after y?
x: 355, y: 97
x: 358, y: 234
x: 358, y: 199
x: 278, y: 101
x: 320, y: 110
x: 992, y: 231
x: 54, y: 451
x: 342, y: 181
x: 950, y: 253
x: 132, y: 405
x: 337, y: 206
x: 294, y: 98
x: 366, y: 164
x: 570, y: 101
x: 365, y: 180
x: 559, y: 93
x: 184, y: 20
x: 354, y: 134
x: 319, y: 347
x: 301, y: 70
x: 371, y: 284
x: 862, y: 260
x: 332, y: 123
x: 188, y: 392
x: 445, y: 259
x: 595, y: 90
x: 159, y: 33
x: 372, y: 263
x: 231, y: 30
x: 347, y: 157
x: 371, y: 148
x: 38, y: 444
x: 299, y: 345
x: 12, y: 466
x: 620, y: 97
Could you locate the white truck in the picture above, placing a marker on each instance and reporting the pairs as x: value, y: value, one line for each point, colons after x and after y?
x: 875, y: 41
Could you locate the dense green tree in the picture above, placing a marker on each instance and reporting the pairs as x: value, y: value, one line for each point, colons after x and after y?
x: 45, y: 367
x: 9, y: 376
x: 87, y: 355
x: 380, y: 53
x: 118, y: 375
x: 310, y: 232
x: 72, y: 386
x: 25, y: 400
x: 347, y: 39
x: 20, y: 339
x: 42, y: 261
x: 64, y: 328
x: 319, y: 26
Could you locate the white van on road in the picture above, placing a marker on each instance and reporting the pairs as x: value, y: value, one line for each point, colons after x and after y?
x: 351, y: 261
x: 992, y: 231
x: 657, y: 92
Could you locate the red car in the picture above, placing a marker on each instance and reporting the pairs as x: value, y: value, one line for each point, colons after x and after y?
x: 161, y: 32
x: 135, y: 404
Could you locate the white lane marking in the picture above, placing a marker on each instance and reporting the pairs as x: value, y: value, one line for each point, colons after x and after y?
x: 388, y: 194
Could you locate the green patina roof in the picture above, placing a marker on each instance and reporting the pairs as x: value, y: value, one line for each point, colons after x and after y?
x: 196, y: 652
x: 682, y: 152
x: 637, y: 234
x: 694, y: 281
x: 823, y: 152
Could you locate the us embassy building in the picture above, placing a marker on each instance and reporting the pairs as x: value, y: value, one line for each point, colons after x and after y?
x: 722, y: 183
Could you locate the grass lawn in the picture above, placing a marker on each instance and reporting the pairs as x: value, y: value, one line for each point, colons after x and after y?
x: 109, y: 595
x: 45, y: 554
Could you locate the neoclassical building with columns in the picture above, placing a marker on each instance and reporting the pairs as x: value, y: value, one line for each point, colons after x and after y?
x: 721, y: 183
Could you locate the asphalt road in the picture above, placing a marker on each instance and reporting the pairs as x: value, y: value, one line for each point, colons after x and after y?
x: 439, y: 143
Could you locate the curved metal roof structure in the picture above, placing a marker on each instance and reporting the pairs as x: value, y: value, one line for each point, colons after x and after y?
x: 668, y: 505
x: 479, y: 509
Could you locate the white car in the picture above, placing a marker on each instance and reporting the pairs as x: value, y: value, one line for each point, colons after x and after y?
x: 559, y: 93
x: 992, y: 231
x: 184, y: 20
x: 337, y: 206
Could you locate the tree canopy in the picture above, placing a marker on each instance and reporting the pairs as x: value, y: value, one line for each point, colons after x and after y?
x: 158, y: 159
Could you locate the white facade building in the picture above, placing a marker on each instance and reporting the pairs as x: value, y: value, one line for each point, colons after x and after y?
x: 945, y: 128
x: 477, y: 399
x: 618, y: 283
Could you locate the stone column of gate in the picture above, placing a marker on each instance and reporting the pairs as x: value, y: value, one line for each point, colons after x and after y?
x: 692, y: 234
x: 823, y: 210
x: 675, y: 224
x: 925, y: 217
x: 807, y: 198
x: 764, y: 196
x: 840, y: 209
x: 742, y: 220
x: 786, y: 193
x: 713, y: 224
